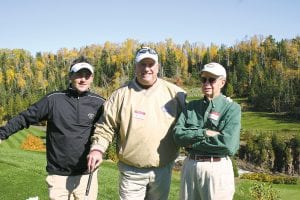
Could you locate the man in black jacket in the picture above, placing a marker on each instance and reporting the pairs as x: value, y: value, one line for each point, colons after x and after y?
x: 70, y: 116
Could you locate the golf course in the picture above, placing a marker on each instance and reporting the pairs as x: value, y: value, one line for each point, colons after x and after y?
x: 23, y: 172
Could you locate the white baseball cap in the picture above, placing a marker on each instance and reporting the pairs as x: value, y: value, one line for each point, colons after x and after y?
x: 146, y: 52
x: 83, y: 65
x: 215, y: 69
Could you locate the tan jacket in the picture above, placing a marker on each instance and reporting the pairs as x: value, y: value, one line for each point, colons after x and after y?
x: 142, y: 120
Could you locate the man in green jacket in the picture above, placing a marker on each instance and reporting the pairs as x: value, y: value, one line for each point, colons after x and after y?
x: 209, y: 129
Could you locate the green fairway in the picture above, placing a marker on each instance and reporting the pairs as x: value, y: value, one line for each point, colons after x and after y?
x: 269, y: 121
x: 23, y: 175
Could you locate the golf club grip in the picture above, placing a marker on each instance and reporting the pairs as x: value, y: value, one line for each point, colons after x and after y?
x: 89, y: 184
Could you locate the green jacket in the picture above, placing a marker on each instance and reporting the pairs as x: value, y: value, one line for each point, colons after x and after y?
x: 219, y: 114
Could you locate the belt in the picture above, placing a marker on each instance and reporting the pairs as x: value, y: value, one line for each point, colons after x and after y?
x: 201, y: 158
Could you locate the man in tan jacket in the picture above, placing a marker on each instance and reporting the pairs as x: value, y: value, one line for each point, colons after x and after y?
x: 141, y: 115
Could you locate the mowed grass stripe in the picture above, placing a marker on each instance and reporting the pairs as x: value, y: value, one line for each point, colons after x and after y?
x: 16, y: 139
x: 269, y: 121
x: 29, y: 161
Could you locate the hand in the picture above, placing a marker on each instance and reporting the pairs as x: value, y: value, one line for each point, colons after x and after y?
x: 212, y: 133
x: 95, y: 158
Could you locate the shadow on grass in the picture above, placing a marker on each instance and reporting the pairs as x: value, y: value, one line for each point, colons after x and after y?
x: 280, y: 117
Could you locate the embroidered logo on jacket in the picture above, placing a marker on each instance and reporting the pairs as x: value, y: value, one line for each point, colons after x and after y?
x: 91, y: 115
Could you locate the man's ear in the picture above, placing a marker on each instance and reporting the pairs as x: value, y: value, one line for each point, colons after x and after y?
x: 223, y: 81
x: 70, y: 77
x: 92, y: 76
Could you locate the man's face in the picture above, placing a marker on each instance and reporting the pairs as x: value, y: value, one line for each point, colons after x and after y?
x: 146, y: 71
x: 82, y: 80
x: 211, y: 85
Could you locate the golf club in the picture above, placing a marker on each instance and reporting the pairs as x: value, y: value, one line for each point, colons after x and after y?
x: 88, y: 186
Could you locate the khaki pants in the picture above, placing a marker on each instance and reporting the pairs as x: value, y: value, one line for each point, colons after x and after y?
x: 71, y: 187
x: 207, y: 180
x: 144, y: 183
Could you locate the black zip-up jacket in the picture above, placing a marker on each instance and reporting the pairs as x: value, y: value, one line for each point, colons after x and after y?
x: 70, y: 122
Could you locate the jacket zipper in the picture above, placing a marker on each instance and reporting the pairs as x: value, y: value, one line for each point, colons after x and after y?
x: 78, y: 110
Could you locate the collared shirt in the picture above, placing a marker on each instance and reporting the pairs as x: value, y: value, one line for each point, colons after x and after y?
x: 219, y: 114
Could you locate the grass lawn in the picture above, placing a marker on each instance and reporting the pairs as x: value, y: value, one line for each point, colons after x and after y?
x: 286, y: 192
x: 23, y: 172
x: 23, y: 175
x: 269, y: 121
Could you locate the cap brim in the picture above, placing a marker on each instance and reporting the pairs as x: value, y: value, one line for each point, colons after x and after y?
x: 210, y: 74
x: 140, y: 57
x: 79, y: 66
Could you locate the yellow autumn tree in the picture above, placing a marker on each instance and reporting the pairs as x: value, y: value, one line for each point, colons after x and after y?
x: 10, y: 76
x: 27, y: 71
x: 21, y: 83
x: 127, y: 51
x: 213, y: 51
x: 161, y: 50
x: 1, y: 77
x: 40, y: 65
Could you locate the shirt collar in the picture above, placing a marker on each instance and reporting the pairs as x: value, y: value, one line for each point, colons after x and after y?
x: 215, y: 101
x: 74, y: 92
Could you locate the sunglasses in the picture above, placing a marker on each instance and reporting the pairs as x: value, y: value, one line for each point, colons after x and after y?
x: 210, y: 80
x: 145, y: 50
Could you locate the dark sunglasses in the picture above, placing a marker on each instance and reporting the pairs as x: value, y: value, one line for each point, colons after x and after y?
x: 145, y: 50
x: 210, y: 80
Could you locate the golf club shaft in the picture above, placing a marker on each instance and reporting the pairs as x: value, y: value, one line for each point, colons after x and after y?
x: 89, y: 184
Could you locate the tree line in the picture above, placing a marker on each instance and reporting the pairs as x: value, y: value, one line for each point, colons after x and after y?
x: 265, y: 71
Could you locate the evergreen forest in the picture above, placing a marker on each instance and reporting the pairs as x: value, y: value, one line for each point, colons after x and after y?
x: 264, y: 71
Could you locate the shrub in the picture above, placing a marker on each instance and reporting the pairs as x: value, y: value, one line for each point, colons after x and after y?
x: 33, y: 143
x: 111, y: 151
x: 235, y: 167
x: 276, y: 179
x: 261, y: 191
